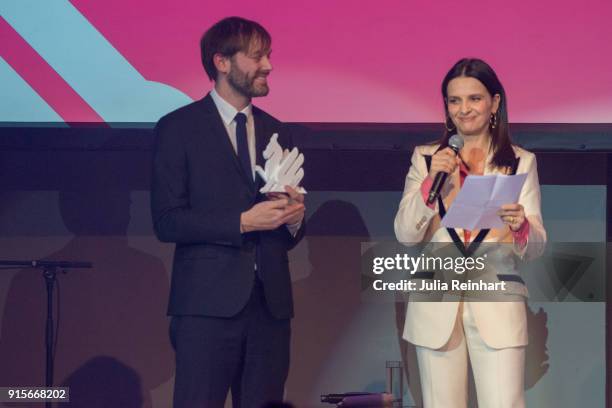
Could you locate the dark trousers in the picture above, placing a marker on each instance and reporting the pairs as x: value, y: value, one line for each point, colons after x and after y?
x: 248, y: 352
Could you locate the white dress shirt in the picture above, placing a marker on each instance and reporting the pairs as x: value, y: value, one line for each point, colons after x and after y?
x: 228, y: 114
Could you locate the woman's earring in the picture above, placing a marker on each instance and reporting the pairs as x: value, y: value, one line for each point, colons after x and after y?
x: 451, y: 128
x: 493, y: 120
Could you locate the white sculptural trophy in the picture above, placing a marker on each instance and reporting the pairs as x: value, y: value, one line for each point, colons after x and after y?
x: 282, y: 168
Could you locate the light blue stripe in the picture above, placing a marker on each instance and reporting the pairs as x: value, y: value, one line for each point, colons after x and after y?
x: 89, y: 63
x: 19, y: 102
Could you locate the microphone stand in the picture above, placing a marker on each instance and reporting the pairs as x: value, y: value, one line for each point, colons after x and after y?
x: 49, y: 270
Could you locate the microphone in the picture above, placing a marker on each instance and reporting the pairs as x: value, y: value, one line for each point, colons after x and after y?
x: 456, y: 143
x: 337, y: 398
x: 359, y: 400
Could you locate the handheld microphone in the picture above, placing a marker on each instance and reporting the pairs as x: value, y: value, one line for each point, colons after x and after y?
x: 456, y: 143
x: 359, y: 400
x: 337, y: 398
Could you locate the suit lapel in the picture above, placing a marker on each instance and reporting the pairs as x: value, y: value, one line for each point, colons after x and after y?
x: 219, y: 135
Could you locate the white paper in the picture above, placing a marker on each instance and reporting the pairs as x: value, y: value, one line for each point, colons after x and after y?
x: 479, y: 200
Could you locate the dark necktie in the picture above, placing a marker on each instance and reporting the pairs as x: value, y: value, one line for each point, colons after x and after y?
x: 242, y: 144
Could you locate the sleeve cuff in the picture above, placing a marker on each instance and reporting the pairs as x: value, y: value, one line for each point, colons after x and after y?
x: 294, y: 228
x: 520, y: 236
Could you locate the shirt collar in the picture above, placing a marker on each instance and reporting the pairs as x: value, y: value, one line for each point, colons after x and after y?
x: 226, y: 110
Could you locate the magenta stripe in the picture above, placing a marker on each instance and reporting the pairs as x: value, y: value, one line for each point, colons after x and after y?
x: 42, y: 78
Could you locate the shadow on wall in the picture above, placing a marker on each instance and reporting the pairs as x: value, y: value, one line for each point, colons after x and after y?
x: 104, y: 382
x: 116, y: 310
x: 326, y: 300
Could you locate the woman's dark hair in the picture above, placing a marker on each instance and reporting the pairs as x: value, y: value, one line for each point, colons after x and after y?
x: 227, y: 37
x: 501, y: 144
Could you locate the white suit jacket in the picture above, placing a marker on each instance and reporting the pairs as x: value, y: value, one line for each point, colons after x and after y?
x: 500, y: 324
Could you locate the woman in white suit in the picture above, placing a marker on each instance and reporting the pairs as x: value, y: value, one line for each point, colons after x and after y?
x: 493, y: 335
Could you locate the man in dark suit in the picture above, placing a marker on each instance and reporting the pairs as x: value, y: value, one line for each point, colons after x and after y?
x: 230, y: 296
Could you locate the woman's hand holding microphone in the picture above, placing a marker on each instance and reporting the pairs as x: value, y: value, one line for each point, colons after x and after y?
x: 445, y: 161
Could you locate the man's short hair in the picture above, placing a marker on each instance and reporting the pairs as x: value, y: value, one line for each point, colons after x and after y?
x: 229, y: 36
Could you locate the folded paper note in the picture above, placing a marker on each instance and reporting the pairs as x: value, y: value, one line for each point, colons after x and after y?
x: 478, y: 201
x: 282, y: 168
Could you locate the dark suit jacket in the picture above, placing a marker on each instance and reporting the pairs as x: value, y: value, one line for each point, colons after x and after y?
x: 199, y: 190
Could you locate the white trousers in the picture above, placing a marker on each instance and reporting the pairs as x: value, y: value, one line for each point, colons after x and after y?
x: 498, y: 373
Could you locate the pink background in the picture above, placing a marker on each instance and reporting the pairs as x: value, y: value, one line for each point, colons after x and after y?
x: 383, y: 61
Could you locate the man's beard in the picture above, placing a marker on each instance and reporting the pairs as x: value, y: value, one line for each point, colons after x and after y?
x: 245, y: 85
